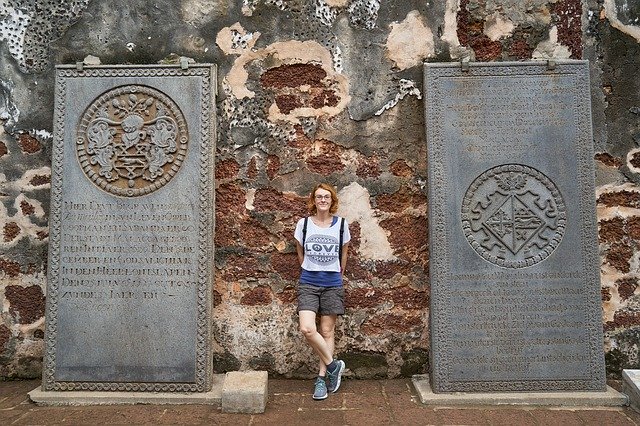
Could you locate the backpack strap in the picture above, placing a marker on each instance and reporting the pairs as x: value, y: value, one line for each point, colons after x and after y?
x: 304, y: 232
x: 341, y: 239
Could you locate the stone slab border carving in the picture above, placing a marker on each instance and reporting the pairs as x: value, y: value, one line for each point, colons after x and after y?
x: 206, y: 74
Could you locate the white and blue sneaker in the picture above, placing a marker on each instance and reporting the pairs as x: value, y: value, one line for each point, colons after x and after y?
x: 335, y: 377
x: 320, y: 390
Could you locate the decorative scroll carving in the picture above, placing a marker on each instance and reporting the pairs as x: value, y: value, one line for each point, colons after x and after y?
x: 513, y: 216
x: 131, y: 140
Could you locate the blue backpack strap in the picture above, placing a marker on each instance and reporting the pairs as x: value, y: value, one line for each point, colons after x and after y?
x: 341, y: 239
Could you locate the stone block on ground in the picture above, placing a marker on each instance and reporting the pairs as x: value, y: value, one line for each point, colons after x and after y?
x: 245, y: 392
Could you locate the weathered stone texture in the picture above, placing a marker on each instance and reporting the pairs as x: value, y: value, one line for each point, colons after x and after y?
x: 313, y: 91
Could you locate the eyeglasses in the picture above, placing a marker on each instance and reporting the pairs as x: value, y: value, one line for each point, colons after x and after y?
x: 323, y: 197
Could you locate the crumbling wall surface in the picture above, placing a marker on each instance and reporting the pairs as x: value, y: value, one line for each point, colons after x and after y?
x: 309, y: 91
x: 613, y: 45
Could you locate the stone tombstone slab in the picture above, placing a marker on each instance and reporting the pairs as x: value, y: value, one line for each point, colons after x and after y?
x: 131, y: 229
x: 514, y: 266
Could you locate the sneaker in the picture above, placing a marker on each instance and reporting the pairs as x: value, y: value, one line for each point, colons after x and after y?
x: 335, y: 377
x: 320, y: 391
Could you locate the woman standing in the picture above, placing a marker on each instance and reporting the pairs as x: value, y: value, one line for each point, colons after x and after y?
x: 322, y: 242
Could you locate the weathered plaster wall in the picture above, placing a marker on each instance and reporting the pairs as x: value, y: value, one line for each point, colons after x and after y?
x: 313, y: 90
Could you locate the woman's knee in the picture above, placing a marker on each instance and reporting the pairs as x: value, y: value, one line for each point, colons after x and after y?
x: 307, y: 329
x: 327, y: 331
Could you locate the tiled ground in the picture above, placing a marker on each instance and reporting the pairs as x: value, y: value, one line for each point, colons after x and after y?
x: 359, y: 402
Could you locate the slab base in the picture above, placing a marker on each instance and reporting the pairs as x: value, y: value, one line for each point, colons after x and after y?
x: 631, y: 386
x: 609, y: 398
x: 213, y: 397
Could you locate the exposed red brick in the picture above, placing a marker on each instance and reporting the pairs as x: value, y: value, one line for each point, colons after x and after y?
x: 288, y: 295
x: 611, y: 230
x: 393, y: 323
x: 470, y: 33
x: 401, y: 200
x: 252, y: 168
x: 626, y: 287
x: 623, y: 319
x: 354, y: 230
x: 39, y: 180
x: 387, y: 270
x: 635, y: 159
x: 254, y: 234
x: 227, y: 169
x: 325, y: 98
x: 369, y: 168
x: 241, y: 266
x: 368, y: 297
x: 286, y: 265
x: 325, y: 164
x: 568, y: 20
x: 5, y: 335
x: 619, y: 255
x: 26, y: 304
x: 258, y: 296
x: 217, y: 298
x: 520, y: 49
x: 621, y: 199
x: 607, y: 159
x: 26, y: 208
x: 465, y: 28
x: 42, y: 235
x: 273, y: 166
x: 633, y: 228
x: 403, y: 297
x: 354, y: 269
x: 9, y: 267
x: 485, y: 48
x: 3, y: 149
x: 226, y: 230
x: 270, y: 200
x: 326, y: 161
x: 408, y: 298
x: 287, y: 103
x: 230, y: 198
x: 11, y: 230
x: 294, y: 75
x: 29, y: 144
x: 408, y: 235
x: 605, y: 294
x: 301, y: 140
x: 400, y: 168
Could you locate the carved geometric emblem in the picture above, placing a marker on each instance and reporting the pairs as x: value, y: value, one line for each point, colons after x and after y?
x: 131, y: 140
x: 513, y: 216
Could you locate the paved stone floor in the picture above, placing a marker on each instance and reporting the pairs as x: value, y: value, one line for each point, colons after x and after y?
x: 359, y: 402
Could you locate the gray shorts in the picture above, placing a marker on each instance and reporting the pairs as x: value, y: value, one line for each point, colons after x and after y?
x: 321, y: 300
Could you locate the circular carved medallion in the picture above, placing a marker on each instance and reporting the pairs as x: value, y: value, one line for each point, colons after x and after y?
x: 513, y: 216
x: 131, y: 140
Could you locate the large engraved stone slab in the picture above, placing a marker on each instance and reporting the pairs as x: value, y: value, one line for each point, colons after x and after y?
x: 515, y: 291
x: 131, y: 230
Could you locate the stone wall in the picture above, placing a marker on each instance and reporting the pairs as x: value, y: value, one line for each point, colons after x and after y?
x: 309, y: 91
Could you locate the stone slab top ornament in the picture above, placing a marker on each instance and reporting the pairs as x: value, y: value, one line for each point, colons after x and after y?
x: 131, y: 229
x: 514, y: 266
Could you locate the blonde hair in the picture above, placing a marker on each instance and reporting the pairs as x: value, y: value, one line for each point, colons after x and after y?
x: 311, y: 202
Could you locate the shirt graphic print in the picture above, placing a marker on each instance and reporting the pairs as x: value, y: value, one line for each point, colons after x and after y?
x: 322, y: 246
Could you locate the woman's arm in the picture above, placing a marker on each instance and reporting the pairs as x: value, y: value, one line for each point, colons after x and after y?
x: 343, y: 261
x: 300, y: 252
